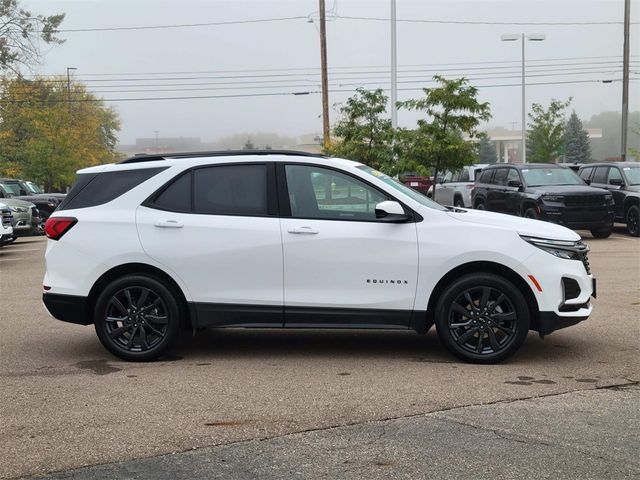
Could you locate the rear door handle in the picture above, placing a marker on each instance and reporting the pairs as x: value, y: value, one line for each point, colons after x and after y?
x: 168, y: 224
x: 303, y: 230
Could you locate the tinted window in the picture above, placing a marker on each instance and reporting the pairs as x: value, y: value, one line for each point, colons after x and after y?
x: 177, y: 196
x: 600, y: 175
x: 500, y: 178
x: 537, y: 177
x: 585, y: 173
x: 316, y: 192
x: 464, y: 176
x: 230, y: 190
x: 97, y: 188
x: 614, y: 174
x: 632, y: 174
x: 485, y: 176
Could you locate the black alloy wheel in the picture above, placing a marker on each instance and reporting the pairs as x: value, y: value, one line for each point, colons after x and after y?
x: 137, y: 318
x: 633, y: 221
x: 602, y: 232
x: 482, y: 318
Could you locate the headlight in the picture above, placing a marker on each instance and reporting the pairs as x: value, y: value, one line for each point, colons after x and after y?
x: 567, y: 250
x: 553, y: 198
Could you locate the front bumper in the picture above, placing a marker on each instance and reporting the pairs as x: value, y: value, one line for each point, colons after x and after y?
x: 549, y: 322
x: 68, y: 308
x: 581, y: 218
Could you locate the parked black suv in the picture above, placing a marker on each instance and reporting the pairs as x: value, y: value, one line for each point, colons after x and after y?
x: 29, y: 192
x: 622, y: 179
x: 547, y: 192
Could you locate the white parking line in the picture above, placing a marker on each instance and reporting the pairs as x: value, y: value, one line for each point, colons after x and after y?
x: 10, y: 259
x: 13, y: 249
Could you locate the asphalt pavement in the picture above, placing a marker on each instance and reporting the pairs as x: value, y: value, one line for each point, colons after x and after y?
x: 273, y: 403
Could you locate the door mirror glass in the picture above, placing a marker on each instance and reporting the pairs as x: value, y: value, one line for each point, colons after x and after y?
x: 514, y: 183
x: 616, y: 181
x: 391, y: 211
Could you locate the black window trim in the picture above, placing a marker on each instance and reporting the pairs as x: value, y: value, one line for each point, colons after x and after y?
x: 272, y: 200
x: 285, y: 206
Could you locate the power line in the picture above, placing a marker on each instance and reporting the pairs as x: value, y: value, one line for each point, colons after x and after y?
x: 480, y: 22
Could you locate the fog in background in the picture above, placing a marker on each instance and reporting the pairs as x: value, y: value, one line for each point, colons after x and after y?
x: 351, y: 43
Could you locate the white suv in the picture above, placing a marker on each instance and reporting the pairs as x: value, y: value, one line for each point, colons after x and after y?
x: 153, y: 245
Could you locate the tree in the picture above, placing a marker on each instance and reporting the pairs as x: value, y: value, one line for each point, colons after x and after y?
x: 45, y: 138
x: 608, y: 147
x: 20, y: 33
x: 486, y: 149
x: 364, y: 132
x: 452, y: 110
x: 545, y: 136
x: 248, y: 145
x: 577, y: 148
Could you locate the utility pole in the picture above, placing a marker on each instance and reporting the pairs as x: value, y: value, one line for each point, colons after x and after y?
x: 394, y: 68
x: 325, y: 82
x: 625, y: 80
x: 69, y: 85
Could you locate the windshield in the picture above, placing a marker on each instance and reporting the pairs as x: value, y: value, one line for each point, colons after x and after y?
x: 33, y: 187
x: 632, y: 174
x: 539, y: 177
x: 409, y: 192
x: 12, y: 189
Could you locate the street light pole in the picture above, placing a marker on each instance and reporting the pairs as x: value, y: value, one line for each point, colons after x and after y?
x: 69, y: 85
x: 625, y: 80
x: 394, y: 68
x: 535, y: 37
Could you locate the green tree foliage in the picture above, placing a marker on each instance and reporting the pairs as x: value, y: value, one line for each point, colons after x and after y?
x: 486, y: 150
x: 46, y: 139
x: 364, y: 132
x: 545, y: 136
x: 452, y: 110
x: 577, y: 147
x: 20, y: 34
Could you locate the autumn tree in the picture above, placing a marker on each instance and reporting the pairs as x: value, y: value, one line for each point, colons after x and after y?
x: 545, y: 136
x: 21, y: 33
x: 45, y: 138
x: 452, y: 114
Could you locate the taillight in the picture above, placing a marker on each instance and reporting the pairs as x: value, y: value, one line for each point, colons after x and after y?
x: 55, y: 227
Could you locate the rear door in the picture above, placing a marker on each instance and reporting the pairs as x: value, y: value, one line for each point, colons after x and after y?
x: 342, y: 265
x: 216, y: 228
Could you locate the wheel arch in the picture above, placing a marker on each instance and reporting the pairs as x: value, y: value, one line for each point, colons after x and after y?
x: 479, y: 267
x: 138, y: 268
x: 628, y: 203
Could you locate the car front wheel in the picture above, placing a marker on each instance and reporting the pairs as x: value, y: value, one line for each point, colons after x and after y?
x: 482, y: 318
x: 602, y: 232
x: 137, y: 318
x: 633, y: 221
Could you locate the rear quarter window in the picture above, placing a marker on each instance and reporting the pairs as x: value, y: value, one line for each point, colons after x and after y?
x: 95, y: 189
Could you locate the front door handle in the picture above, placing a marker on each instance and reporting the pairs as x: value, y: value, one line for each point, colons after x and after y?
x: 168, y: 224
x: 303, y: 230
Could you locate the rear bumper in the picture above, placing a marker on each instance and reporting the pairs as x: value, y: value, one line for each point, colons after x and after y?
x: 68, y: 308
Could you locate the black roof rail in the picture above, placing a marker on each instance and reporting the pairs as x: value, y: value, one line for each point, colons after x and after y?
x: 144, y: 157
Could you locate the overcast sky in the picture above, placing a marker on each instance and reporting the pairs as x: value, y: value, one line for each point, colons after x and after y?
x: 352, y: 45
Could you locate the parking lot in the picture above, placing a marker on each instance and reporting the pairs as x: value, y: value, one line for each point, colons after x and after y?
x: 402, y: 404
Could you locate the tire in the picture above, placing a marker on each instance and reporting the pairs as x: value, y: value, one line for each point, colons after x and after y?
x: 531, y: 212
x: 458, y: 203
x: 480, y: 206
x: 133, y: 333
x: 632, y: 219
x: 602, y: 232
x: 482, y: 337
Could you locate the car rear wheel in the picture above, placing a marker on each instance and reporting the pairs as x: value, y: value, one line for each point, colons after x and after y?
x: 480, y: 206
x: 531, y: 213
x: 137, y: 318
x: 482, y: 318
x: 602, y: 232
x: 458, y: 203
x: 633, y: 221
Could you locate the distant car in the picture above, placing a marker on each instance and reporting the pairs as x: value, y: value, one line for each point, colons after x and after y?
x: 30, y: 192
x: 455, y: 187
x: 417, y: 182
x: 22, y: 213
x: 6, y: 230
x: 622, y: 179
x: 546, y: 192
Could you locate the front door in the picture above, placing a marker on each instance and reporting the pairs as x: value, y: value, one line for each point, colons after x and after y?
x: 216, y: 228
x: 342, y: 266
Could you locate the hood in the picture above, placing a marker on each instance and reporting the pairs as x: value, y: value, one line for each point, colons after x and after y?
x: 14, y: 202
x: 632, y: 188
x: 522, y: 226
x: 568, y: 190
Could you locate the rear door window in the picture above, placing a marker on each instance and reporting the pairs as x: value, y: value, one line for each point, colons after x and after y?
x: 463, y: 175
x: 600, y: 175
x: 500, y: 178
x: 176, y: 197
x: 485, y: 176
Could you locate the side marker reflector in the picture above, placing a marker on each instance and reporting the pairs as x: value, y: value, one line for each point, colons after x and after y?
x: 535, y: 282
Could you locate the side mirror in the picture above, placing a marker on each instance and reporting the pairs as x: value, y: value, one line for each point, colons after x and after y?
x: 616, y: 181
x: 514, y: 183
x: 390, y: 211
